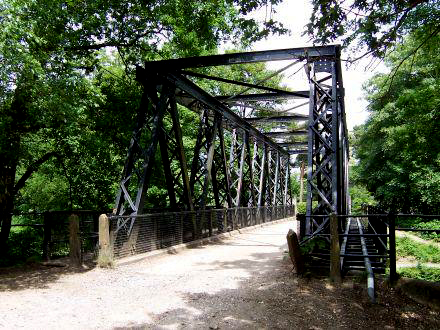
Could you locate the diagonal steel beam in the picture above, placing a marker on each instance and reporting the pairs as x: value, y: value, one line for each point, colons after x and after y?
x: 205, y: 98
x: 235, y: 82
x: 264, y: 96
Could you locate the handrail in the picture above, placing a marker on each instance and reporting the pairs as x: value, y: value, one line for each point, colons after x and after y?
x: 344, y: 242
x: 367, y: 263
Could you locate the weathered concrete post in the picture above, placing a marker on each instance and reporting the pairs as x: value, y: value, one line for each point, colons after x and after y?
x: 74, y: 240
x: 295, y: 252
x: 335, y: 269
x: 105, y: 257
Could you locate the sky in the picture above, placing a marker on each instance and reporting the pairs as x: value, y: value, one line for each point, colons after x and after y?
x: 294, y: 15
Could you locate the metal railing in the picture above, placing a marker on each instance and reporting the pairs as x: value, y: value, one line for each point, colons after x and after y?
x: 380, y: 228
x: 132, y: 235
x: 51, y: 228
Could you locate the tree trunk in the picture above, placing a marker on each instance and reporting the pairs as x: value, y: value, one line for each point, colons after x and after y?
x: 10, y: 139
x: 7, y: 194
x: 301, y: 182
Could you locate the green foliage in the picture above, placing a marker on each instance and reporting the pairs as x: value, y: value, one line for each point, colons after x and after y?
x: 295, y: 185
x: 68, y: 98
x: 407, y: 247
x: 399, y: 146
x: 421, y: 273
x: 372, y: 26
x: 434, y: 224
x: 24, y: 245
x: 360, y: 198
x: 301, y: 208
x: 419, y: 223
x: 314, y: 244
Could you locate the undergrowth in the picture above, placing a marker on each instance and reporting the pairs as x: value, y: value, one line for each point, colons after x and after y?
x: 421, y: 273
x: 406, y: 247
x: 23, y: 245
x: 419, y: 223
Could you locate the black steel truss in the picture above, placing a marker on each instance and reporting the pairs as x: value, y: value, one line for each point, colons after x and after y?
x: 327, y: 174
x: 234, y: 162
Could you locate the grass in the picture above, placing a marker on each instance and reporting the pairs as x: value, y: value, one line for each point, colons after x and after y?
x: 421, y: 273
x: 419, y: 223
x: 406, y: 247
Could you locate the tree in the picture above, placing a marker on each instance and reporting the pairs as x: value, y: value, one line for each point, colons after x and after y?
x: 374, y: 26
x: 399, y: 146
x: 58, y: 107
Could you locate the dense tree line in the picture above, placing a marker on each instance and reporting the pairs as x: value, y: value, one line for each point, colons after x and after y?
x: 68, y: 95
x: 397, y: 151
x: 398, y: 148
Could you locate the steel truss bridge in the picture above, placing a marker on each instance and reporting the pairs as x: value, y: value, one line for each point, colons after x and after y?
x: 243, y: 152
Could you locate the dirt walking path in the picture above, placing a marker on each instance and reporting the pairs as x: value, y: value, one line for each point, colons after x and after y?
x: 244, y: 282
x: 416, y: 238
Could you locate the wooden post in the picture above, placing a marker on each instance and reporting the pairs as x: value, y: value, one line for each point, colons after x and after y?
x: 180, y: 220
x: 74, y: 240
x: 47, y: 238
x: 392, y: 248
x: 211, y: 220
x: 335, y: 269
x: 225, y: 220
x: 105, y: 257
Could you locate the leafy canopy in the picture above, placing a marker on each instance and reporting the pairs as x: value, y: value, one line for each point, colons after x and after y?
x: 371, y: 26
x: 399, y: 146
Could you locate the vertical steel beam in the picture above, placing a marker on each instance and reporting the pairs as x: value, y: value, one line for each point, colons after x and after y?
x: 310, y: 143
x: 169, y: 180
x: 269, y: 185
x: 286, y: 182
x: 276, y: 183
x: 221, y: 164
x: 250, y: 175
x: 263, y: 177
x: 335, y: 141
x: 209, y: 163
x: 238, y: 201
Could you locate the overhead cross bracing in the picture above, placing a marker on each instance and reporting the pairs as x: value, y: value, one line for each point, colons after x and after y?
x: 245, y: 139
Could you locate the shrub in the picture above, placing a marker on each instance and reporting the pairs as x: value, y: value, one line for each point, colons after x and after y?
x: 24, y: 244
x: 421, y: 251
x: 421, y: 273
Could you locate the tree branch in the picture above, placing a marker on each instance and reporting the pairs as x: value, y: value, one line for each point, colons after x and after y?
x: 31, y: 169
x: 412, y: 53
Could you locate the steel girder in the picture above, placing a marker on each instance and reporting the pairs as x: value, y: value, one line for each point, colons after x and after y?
x: 327, y: 174
x: 213, y: 178
x: 234, y: 163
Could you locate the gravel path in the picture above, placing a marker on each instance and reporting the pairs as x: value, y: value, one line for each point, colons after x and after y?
x: 146, y: 292
x: 243, y: 282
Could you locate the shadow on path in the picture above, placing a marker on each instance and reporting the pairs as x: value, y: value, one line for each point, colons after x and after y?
x: 36, y: 275
x: 273, y: 298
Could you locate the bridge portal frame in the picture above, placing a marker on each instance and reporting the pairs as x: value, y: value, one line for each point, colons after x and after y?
x: 256, y: 162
